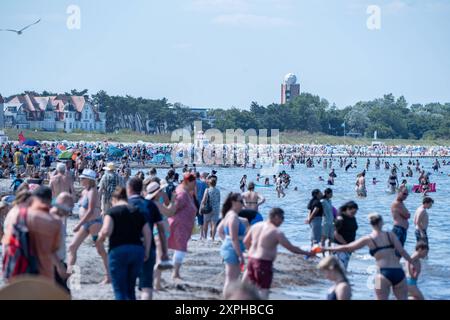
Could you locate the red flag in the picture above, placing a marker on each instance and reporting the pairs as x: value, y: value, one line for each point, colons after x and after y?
x: 21, y: 137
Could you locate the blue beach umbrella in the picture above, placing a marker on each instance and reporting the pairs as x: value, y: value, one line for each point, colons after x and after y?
x: 31, y: 143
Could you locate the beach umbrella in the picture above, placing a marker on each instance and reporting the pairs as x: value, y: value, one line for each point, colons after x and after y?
x: 115, y: 152
x: 65, y: 155
x: 31, y: 143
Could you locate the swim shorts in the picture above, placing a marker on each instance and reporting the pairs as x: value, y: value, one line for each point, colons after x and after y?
x: 411, y: 281
x: 260, y: 272
x: 401, y: 234
x: 421, y: 236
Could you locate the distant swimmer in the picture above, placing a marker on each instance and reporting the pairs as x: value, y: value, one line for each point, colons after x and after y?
x: 409, y: 172
x: 348, y: 166
x: 374, y: 181
x: 392, y: 182
x: 252, y: 199
x: 377, y: 164
x: 243, y: 182
x: 331, y: 177
x: 280, y: 188
x: 361, y: 190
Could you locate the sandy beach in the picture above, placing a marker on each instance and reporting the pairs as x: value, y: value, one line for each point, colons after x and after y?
x: 202, y: 272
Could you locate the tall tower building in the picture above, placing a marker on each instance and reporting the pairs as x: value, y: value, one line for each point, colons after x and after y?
x: 290, y: 88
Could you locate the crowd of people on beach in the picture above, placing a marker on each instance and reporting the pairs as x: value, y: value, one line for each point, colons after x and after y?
x: 147, y: 218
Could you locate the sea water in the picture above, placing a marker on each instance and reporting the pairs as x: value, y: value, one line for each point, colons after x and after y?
x: 434, y: 280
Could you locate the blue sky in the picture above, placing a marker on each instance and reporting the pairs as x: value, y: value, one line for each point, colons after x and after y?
x: 223, y: 53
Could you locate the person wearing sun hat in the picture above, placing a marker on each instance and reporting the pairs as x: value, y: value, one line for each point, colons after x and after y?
x: 155, y: 192
x: 108, y: 184
x: 90, y: 221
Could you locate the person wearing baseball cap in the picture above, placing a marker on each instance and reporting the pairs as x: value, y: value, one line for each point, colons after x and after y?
x: 90, y: 223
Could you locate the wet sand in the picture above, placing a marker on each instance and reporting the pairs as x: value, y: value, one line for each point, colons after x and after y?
x: 202, y: 272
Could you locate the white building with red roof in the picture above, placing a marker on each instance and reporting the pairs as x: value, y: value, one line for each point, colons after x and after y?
x: 53, y: 113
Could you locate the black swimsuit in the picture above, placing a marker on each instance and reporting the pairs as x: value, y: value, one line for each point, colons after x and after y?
x: 394, y: 275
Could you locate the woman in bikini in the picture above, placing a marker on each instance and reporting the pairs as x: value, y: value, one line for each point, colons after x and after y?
x: 252, y: 199
x: 232, y: 230
x: 90, y: 221
x: 382, y: 246
x: 334, y: 271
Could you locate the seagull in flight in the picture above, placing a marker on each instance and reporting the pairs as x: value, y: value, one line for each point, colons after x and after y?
x: 19, y: 32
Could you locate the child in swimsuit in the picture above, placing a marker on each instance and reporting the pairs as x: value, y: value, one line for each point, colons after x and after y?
x: 414, y: 292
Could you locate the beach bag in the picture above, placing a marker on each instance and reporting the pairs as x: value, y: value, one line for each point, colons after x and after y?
x: 18, y: 258
x: 206, y: 208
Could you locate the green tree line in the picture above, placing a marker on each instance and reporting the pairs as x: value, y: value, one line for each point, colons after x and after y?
x: 390, y: 117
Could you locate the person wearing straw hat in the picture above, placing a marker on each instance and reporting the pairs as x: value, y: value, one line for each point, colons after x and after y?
x: 154, y: 192
x: 108, y: 184
x: 90, y: 222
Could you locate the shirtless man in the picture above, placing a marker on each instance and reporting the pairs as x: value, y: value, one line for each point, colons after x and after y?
x: 421, y: 219
x: 252, y: 199
x: 400, y: 215
x: 61, y: 182
x: 261, y: 242
x: 361, y: 190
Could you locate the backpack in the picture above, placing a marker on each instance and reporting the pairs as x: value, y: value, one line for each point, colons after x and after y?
x: 206, y: 208
x: 18, y: 258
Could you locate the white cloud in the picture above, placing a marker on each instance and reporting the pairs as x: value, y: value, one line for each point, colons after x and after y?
x: 251, y: 20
